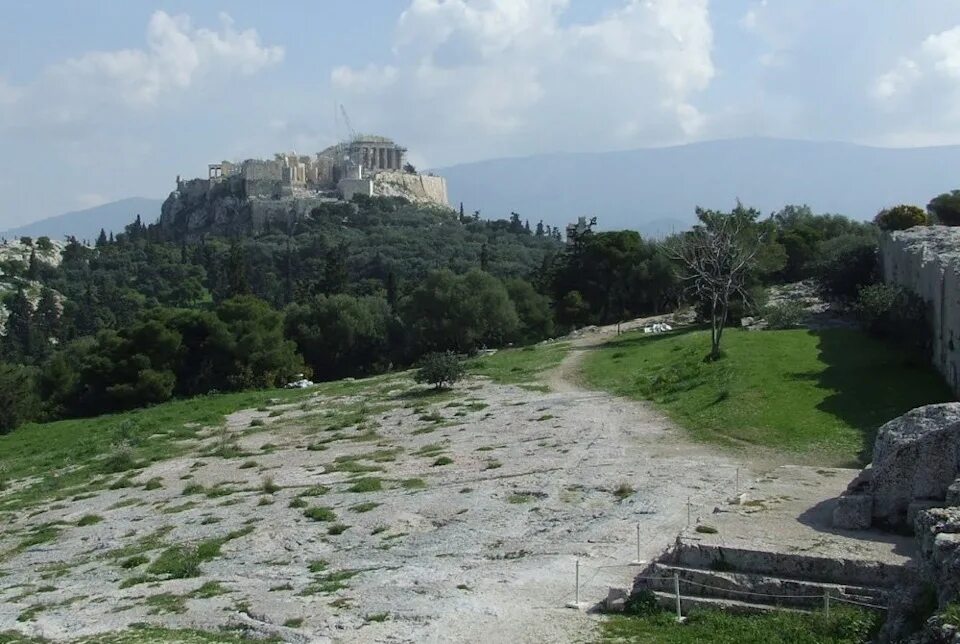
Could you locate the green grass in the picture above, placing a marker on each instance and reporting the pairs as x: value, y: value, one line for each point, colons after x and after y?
x: 320, y: 513
x: 89, y: 519
x: 368, y: 484
x: 519, y: 365
x: 822, y: 394
x: 74, y: 453
x: 183, y: 561
x: 843, y: 626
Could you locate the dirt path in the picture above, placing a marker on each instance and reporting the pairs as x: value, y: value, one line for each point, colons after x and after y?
x: 481, y: 549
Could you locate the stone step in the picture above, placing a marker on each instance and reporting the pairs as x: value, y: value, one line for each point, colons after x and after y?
x: 690, y: 604
x: 800, y: 567
x: 754, y: 588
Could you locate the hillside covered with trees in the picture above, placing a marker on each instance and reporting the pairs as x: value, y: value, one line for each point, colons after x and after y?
x: 355, y: 289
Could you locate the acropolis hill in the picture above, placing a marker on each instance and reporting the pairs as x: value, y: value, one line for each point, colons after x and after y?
x: 242, y: 196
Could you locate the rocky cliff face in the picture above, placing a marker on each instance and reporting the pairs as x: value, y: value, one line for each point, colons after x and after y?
x: 418, y: 188
x: 926, y: 260
x: 224, y: 208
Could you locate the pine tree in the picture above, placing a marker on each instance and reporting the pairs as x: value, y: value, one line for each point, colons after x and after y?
x: 484, y: 258
x: 526, y: 226
x: 391, y: 287
x: 237, y: 271
x: 539, y: 232
x: 461, y: 211
x: 102, y: 239
x: 20, y: 342
x: 33, y: 269
x: 47, y: 315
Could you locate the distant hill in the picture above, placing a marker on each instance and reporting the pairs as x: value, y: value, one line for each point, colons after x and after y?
x: 86, y: 224
x: 655, y: 190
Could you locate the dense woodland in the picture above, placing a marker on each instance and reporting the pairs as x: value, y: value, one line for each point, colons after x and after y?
x: 356, y: 289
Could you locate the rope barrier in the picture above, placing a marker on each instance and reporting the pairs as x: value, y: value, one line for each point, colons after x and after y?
x: 749, y: 592
x: 856, y: 603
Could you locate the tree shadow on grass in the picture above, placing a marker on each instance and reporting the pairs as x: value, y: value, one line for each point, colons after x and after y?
x: 872, y: 382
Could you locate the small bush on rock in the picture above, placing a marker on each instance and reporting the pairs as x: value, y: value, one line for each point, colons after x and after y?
x: 901, y: 217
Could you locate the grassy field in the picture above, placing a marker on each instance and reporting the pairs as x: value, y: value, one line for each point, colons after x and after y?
x: 522, y: 365
x: 821, y: 394
x: 71, y: 457
x: 841, y: 627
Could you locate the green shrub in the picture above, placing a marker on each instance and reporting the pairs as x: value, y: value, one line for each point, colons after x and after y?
x: 901, y: 217
x: 440, y: 369
x: 784, y: 315
x: 845, y: 264
x: 892, y: 312
x: 320, y: 513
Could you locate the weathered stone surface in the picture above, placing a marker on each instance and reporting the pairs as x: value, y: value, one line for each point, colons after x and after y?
x: 617, y: 599
x: 915, y: 457
x: 938, y: 535
x: 953, y: 495
x: 854, y: 512
x: 926, y: 260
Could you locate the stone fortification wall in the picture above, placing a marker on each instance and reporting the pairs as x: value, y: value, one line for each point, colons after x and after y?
x: 926, y: 260
x: 419, y: 188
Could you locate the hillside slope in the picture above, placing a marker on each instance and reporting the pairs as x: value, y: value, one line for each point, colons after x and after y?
x: 656, y: 190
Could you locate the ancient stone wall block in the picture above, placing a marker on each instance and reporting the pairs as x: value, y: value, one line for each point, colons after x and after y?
x: 915, y: 457
x: 854, y: 512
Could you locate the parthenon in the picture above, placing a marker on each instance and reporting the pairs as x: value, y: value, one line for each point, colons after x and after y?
x: 375, y: 153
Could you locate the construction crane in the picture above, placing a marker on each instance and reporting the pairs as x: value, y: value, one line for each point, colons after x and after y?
x: 346, y: 120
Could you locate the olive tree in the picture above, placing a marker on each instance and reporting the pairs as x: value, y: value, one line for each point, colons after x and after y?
x: 714, y: 261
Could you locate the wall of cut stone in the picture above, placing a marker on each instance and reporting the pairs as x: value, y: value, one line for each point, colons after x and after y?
x: 350, y: 187
x: 926, y: 260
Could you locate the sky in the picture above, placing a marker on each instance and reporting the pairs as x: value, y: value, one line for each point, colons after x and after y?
x: 102, y: 100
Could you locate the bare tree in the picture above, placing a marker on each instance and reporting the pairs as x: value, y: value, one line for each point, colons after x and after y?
x: 715, y: 259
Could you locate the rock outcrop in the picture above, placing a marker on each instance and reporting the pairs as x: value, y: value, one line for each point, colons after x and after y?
x: 916, y: 462
x: 926, y: 260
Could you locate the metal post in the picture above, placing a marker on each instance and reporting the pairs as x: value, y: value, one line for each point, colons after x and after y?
x: 638, y: 542
x: 738, y: 482
x: 826, y: 602
x: 676, y: 591
x: 577, y: 595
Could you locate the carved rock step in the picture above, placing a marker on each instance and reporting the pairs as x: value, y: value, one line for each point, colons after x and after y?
x: 668, y: 602
x: 789, y: 565
x: 754, y: 588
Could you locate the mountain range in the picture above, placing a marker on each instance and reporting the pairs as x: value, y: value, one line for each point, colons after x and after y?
x: 653, y: 190
x: 656, y: 190
x: 86, y: 224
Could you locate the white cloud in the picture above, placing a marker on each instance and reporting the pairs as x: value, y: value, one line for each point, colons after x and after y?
x: 178, y: 58
x: 920, y: 93
x: 490, y: 72
x: 896, y: 81
x: 936, y: 60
